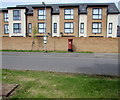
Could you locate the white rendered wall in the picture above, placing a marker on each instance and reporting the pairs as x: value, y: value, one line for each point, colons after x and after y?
x: 22, y: 21
x: 112, y: 18
x: 55, y: 19
x: 119, y: 14
x: 83, y: 19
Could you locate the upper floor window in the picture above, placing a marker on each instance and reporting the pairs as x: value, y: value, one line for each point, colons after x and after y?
x: 5, y: 17
x: 55, y: 27
x: 6, y: 29
x: 41, y: 14
x: 82, y: 28
x: 30, y: 28
x: 69, y: 27
x: 69, y: 13
x: 41, y: 27
x: 110, y: 28
x: 96, y: 27
x: 17, y: 27
x: 97, y: 13
x: 16, y: 15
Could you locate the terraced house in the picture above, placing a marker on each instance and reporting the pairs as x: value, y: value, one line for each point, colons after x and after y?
x: 60, y: 20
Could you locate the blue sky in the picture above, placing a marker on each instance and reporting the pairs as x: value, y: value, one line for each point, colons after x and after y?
x: 7, y: 3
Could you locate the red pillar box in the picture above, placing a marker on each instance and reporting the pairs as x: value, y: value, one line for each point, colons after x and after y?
x: 70, y: 49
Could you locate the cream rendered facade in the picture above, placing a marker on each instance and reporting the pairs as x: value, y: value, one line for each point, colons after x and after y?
x: 83, y: 19
x: 22, y: 22
x: 112, y: 18
x: 56, y: 19
x: 119, y: 14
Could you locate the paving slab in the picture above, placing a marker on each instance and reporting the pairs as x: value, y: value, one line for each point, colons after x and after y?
x: 7, y: 89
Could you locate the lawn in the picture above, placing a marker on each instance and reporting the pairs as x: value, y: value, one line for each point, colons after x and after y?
x: 44, y: 51
x: 40, y: 84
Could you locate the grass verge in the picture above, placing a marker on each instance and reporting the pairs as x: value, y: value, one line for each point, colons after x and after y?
x: 39, y: 84
x: 44, y: 51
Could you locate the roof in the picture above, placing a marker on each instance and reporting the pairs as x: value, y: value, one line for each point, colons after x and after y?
x: 3, y: 10
x: 112, y: 9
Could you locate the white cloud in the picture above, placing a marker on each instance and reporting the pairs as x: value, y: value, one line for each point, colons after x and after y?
x: 60, y: 1
x: 8, y: 3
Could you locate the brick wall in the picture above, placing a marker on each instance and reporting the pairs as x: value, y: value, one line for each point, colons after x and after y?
x: 106, y: 45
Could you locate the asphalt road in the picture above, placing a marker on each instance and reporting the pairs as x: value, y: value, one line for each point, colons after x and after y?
x: 96, y: 63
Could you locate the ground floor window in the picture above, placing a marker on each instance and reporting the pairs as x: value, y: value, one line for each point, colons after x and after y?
x: 17, y: 27
x: 55, y: 27
x: 110, y: 28
x: 6, y: 29
x: 41, y: 28
x: 29, y: 28
x: 96, y: 27
x: 82, y: 28
x: 68, y: 27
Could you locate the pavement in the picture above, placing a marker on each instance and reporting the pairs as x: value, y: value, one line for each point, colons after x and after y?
x: 85, y: 63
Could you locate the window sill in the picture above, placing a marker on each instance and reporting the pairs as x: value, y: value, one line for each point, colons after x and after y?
x: 68, y: 33
x: 5, y: 21
x: 17, y: 20
x: 96, y: 19
x: 68, y: 19
x: 96, y: 33
x: 41, y: 19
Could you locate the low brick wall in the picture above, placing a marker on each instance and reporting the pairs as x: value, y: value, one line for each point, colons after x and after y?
x: 94, y: 44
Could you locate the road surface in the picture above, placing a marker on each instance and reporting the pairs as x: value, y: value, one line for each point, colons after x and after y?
x: 96, y: 63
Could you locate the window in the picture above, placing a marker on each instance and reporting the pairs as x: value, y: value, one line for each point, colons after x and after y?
x: 110, y: 28
x: 96, y: 27
x: 41, y: 14
x: 5, y: 17
x: 6, y: 29
x: 68, y: 27
x: 55, y: 27
x: 17, y: 28
x: 41, y: 27
x: 16, y: 15
x: 29, y: 28
x: 82, y: 28
x: 97, y: 13
x: 68, y: 13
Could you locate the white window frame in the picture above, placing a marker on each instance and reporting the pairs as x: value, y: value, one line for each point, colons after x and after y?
x: 97, y: 13
x: 55, y: 27
x: 5, y: 17
x: 96, y: 27
x: 6, y: 28
x: 41, y: 16
x: 110, y: 28
x: 82, y: 28
x: 68, y: 13
x: 29, y: 27
x: 43, y: 28
x: 17, y: 16
x: 16, y: 27
x: 69, y: 27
